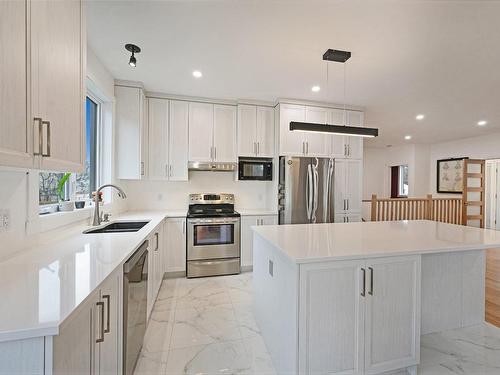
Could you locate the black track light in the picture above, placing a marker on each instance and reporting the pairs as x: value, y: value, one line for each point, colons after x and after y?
x: 134, y: 49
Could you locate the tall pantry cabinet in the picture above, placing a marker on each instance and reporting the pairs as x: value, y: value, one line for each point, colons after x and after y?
x: 42, y: 84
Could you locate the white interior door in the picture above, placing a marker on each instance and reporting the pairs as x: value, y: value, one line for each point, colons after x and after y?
x: 16, y: 143
x: 57, y: 72
x: 201, y: 127
x: 291, y: 143
x: 158, y: 139
x: 178, y: 140
x: 225, y: 133
x: 247, y: 130
x: 265, y: 131
x: 318, y: 144
x: 392, y: 332
x: 354, y: 184
x: 339, y: 180
x: 331, y: 334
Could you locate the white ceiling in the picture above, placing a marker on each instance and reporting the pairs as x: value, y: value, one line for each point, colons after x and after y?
x: 440, y: 58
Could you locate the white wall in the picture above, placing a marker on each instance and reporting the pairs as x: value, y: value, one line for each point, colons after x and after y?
x: 376, y: 171
x: 174, y: 195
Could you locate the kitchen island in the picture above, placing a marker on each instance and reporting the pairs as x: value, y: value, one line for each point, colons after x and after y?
x: 355, y: 298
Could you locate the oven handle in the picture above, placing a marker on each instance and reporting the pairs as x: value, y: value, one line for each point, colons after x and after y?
x: 213, y: 221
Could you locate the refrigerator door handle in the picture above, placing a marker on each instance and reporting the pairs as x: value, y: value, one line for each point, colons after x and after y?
x: 329, y: 200
x: 315, y: 190
x: 309, y: 192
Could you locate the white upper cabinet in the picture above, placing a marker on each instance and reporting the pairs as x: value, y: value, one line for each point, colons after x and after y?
x: 345, y: 146
x: 178, y: 140
x: 168, y: 139
x: 57, y: 73
x: 225, y: 133
x: 355, y: 118
x: 255, y: 131
x: 131, y: 133
x: 317, y: 144
x: 42, y: 98
x: 247, y: 130
x: 291, y: 143
x: 158, y: 139
x: 15, y: 147
x: 265, y: 132
x: 212, y: 132
x: 201, y: 129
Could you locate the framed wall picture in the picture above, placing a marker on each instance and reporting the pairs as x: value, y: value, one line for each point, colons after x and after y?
x: 450, y: 175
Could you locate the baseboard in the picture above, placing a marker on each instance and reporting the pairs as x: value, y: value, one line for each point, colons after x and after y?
x: 174, y: 274
x: 246, y: 268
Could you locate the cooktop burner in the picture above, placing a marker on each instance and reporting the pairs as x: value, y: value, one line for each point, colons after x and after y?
x: 211, y: 205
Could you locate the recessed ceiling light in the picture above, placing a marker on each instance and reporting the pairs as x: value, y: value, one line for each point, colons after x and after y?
x: 315, y: 88
x: 197, y: 74
x: 482, y: 122
x: 420, y: 117
x: 407, y: 137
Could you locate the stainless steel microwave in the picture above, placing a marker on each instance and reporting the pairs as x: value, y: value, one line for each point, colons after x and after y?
x: 260, y: 169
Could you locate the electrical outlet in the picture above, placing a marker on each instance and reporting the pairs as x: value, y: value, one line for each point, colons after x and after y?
x: 4, y: 220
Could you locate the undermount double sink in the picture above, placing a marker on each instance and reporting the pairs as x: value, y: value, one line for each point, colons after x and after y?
x: 118, y: 227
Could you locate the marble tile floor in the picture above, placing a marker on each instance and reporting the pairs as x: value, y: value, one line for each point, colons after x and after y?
x: 206, y: 326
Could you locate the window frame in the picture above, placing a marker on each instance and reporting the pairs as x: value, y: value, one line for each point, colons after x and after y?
x: 70, y: 188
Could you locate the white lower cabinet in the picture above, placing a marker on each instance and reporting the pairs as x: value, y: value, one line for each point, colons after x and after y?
x: 359, y: 317
x: 247, y: 235
x: 175, y: 245
x: 155, y: 265
x: 88, y: 342
x: 347, y: 218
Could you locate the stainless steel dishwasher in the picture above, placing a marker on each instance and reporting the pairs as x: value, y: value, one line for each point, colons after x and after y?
x: 135, y: 291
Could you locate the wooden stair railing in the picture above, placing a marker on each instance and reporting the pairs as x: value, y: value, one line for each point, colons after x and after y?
x: 447, y: 210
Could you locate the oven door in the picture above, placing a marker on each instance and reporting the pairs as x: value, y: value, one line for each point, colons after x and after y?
x: 213, y: 238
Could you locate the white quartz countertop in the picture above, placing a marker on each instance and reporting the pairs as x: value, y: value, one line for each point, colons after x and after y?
x: 305, y: 243
x: 43, y: 285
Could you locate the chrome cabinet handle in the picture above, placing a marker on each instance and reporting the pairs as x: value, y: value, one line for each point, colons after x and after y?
x: 166, y: 170
x: 183, y: 227
x: 307, y: 147
x: 347, y: 202
x: 157, y: 241
x: 254, y: 149
x: 170, y: 170
x: 370, y: 292
x: 142, y: 168
x: 303, y: 148
x: 215, y: 153
x: 363, y: 290
x: 107, y: 297
x: 258, y: 148
x: 47, y: 155
x: 40, y: 136
x: 101, y: 338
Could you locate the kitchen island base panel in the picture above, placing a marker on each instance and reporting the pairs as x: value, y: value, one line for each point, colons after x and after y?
x: 453, y: 290
x: 447, y: 285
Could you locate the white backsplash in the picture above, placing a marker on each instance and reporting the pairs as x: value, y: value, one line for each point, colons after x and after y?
x: 174, y: 194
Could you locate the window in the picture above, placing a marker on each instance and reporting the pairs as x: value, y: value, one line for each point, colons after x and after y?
x: 399, y: 181
x: 56, y: 187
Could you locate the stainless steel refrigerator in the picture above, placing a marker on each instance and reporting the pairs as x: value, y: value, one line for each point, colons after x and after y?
x: 306, y: 190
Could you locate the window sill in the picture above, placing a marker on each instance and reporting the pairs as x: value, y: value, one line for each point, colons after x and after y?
x: 44, y: 223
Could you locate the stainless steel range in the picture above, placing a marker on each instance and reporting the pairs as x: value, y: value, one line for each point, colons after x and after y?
x: 213, y: 236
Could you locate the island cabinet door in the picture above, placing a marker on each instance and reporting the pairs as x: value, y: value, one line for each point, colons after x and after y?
x: 392, y: 325
x: 331, y: 318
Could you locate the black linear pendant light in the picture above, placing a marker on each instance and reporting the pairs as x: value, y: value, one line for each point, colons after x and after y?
x: 341, y: 129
